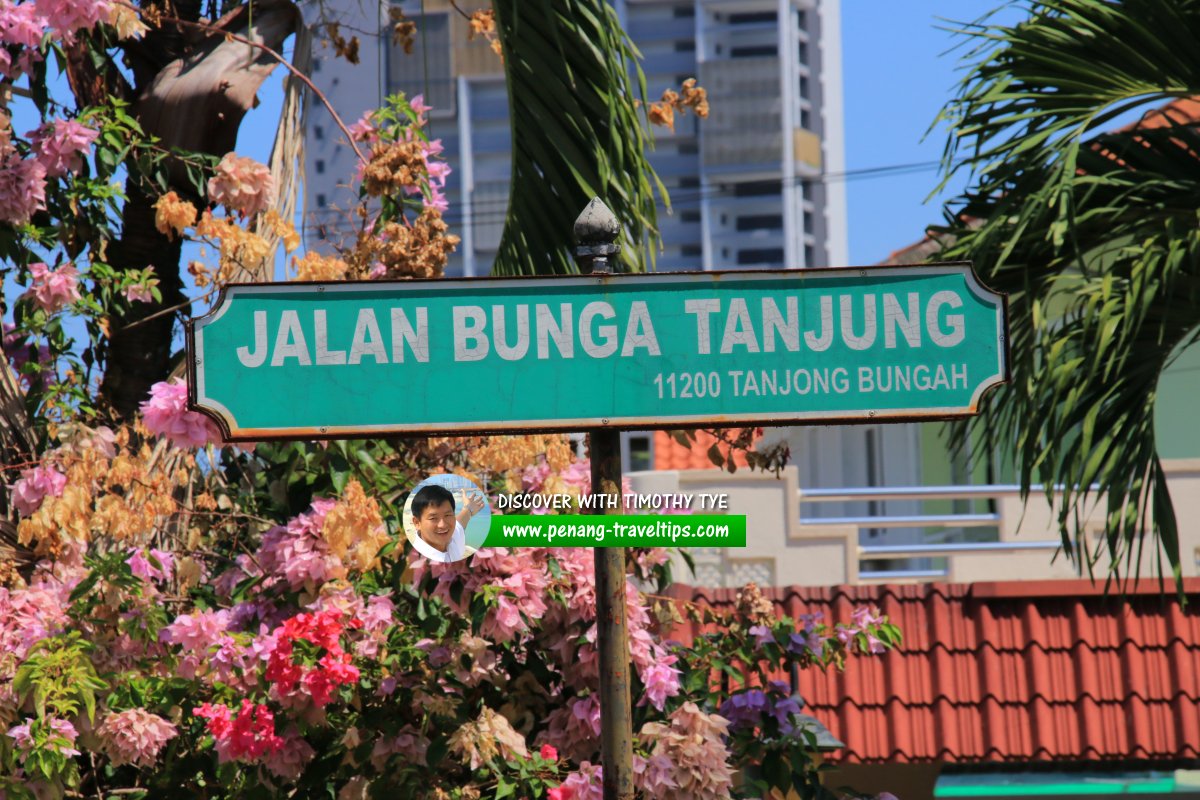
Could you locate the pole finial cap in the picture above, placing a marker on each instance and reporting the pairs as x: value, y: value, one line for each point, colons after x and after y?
x: 596, y: 224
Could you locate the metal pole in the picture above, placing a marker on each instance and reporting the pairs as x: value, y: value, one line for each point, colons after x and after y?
x: 616, y: 719
x: 596, y: 230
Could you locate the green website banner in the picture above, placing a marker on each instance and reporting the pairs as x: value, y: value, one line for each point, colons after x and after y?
x: 617, y: 530
x: 572, y: 353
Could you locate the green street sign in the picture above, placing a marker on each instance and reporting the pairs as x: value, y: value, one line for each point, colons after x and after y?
x: 307, y: 360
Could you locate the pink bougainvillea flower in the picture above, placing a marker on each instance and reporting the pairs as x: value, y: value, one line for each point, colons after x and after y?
x: 134, y: 737
x: 68, y: 16
x: 55, y: 289
x: 62, y: 737
x: 364, y: 130
x: 22, y: 189
x: 548, y: 752
x: 140, y: 292
x: 59, y: 145
x: 585, y: 784
x: 417, y: 104
x: 35, y: 485
x: 241, y: 184
x: 22, y: 24
x: 662, y: 681
x: 166, y: 414
x: 159, y: 566
x: 288, y: 762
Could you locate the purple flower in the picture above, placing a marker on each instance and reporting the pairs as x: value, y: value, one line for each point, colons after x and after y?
x: 762, y: 635
x: 808, y: 642
x: 746, y: 709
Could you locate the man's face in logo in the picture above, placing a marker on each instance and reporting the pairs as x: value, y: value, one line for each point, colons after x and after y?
x: 436, y: 525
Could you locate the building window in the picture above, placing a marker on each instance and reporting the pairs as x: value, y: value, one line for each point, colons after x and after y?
x: 802, y: 52
x: 806, y: 119
x: 687, y: 148
x: 691, y: 251
x: 808, y: 224
x: 640, y: 452
x: 320, y: 166
x: 427, y: 69
x: 685, y: 11
x: 316, y: 65
x: 806, y: 190
x: 760, y: 255
x: 318, y: 132
x: 690, y: 216
x: 685, y: 46
x: 756, y: 188
x: 802, y: 19
x: 752, y: 18
x: 689, y: 183
x: 753, y: 51
x: 320, y: 201
x: 810, y: 256
x: 804, y: 86
x: 757, y: 222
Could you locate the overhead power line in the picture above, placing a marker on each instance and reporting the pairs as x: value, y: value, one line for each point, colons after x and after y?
x: 494, y: 210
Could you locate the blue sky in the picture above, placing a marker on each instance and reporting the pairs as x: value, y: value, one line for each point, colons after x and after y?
x: 897, y: 76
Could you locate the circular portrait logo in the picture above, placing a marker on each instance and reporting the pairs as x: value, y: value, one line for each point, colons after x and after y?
x: 446, y: 518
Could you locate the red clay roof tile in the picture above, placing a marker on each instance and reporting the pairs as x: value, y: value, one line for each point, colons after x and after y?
x: 670, y: 454
x: 1045, y: 671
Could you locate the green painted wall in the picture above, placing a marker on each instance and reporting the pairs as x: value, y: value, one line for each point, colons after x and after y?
x: 1176, y: 426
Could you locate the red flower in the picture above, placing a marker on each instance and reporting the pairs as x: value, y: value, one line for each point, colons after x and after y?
x: 335, y: 668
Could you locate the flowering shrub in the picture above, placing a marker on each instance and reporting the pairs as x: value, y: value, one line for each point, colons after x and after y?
x: 250, y: 622
x: 319, y: 652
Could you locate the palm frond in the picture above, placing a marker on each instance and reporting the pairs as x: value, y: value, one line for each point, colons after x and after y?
x: 1094, y: 238
x: 576, y: 133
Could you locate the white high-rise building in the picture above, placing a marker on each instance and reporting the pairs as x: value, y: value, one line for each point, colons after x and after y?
x: 756, y: 185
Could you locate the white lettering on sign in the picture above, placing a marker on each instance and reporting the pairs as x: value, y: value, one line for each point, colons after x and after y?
x: 368, y: 342
x: 552, y: 330
x: 775, y: 323
x: 516, y: 332
x: 955, y: 321
x: 852, y: 340
x: 517, y: 351
x: 895, y: 319
x: 640, y: 331
x: 404, y: 333
x: 256, y: 358
x: 819, y: 344
x: 469, y: 324
x: 608, y: 333
x: 702, y: 309
x: 289, y: 343
x: 738, y: 330
x: 324, y: 354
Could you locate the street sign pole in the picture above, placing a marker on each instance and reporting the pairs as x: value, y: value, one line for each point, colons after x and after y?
x: 596, y: 231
